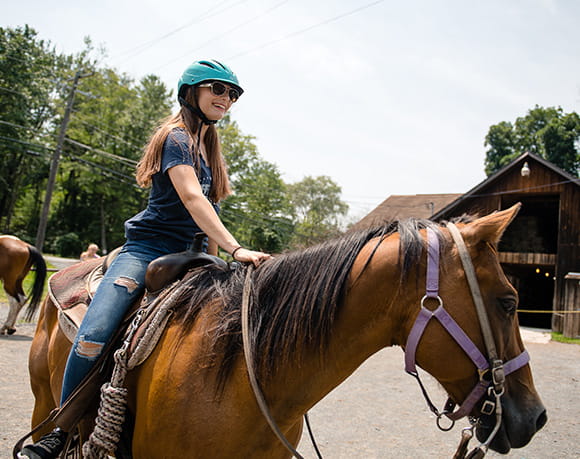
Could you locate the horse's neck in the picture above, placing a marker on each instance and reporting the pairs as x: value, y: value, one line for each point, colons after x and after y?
x: 369, y: 320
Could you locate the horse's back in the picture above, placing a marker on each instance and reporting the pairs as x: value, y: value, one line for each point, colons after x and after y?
x: 14, y: 256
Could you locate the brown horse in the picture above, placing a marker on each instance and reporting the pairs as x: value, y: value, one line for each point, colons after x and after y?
x: 317, y: 315
x: 16, y: 259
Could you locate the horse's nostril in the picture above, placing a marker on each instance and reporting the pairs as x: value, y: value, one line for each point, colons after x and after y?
x: 541, y: 421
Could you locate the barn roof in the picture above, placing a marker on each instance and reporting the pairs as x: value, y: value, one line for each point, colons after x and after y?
x: 398, y: 207
x: 516, y: 163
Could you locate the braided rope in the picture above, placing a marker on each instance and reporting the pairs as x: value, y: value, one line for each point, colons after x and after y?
x: 111, y: 415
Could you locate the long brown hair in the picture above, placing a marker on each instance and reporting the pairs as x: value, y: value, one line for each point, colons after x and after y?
x: 150, y: 162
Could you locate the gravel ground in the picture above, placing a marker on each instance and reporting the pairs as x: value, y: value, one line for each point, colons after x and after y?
x: 377, y: 413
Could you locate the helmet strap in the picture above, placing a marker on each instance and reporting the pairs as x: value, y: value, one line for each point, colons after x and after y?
x: 197, y: 162
x: 196, y: 111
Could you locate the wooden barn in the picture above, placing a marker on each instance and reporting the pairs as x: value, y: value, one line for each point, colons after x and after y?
x: 540, y: 251
x: 542, y: 246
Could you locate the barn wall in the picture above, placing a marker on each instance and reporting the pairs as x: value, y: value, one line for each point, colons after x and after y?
x: 568, y: 247
x: 506, y: 189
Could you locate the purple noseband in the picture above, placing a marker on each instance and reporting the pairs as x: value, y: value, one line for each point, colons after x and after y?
x: 470, y: 349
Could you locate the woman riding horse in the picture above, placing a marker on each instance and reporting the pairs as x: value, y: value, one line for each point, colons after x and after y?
x: 185, y: 168
x: 314, y: 317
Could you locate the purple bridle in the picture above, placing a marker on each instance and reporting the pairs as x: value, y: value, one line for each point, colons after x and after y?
x: 494, y: 385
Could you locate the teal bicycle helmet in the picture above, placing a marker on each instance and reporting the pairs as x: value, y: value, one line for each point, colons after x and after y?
x: 199, y: 72
x: 208, y: 70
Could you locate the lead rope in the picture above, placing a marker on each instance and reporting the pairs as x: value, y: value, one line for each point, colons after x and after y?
x: 497, y: 369
x: 246, y: 297
x: 111, y: 414
x: 475, y: 292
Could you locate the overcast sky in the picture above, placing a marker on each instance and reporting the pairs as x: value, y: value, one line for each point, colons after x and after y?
x: 384, y: 97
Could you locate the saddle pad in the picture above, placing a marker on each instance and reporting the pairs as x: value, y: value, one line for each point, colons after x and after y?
x: 71, y: 290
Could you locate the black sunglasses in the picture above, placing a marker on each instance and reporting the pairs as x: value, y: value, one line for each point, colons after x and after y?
x: 219, y: 89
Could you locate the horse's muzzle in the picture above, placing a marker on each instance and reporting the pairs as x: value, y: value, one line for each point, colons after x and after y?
x: 516, y: 431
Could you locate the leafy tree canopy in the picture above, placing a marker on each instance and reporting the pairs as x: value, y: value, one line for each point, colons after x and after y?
x: 259, y: 212
x: 28, y: 68
x: 317, y: 208
x: 547, y: 132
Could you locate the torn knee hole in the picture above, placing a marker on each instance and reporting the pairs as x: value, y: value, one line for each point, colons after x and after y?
x: 89, y: 349
x: 127, y: 282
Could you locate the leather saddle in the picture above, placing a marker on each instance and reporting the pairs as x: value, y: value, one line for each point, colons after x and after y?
x: 72, y: 289
x: 169, y: 268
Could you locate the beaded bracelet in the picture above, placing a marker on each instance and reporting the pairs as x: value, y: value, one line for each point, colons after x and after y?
x: 235, y: 250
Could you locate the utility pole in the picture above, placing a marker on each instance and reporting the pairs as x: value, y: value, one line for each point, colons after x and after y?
x: 41, y: 233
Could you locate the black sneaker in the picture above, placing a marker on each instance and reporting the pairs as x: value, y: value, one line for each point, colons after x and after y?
x: 48, y: 447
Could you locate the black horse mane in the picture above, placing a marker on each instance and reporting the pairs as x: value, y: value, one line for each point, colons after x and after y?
x: 296, y: 297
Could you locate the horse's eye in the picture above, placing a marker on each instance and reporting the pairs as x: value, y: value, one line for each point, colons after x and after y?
x: 508, y: 304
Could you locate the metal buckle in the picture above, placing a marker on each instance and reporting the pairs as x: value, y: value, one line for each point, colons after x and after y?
x: 498, y: 374
x: 488, y: 407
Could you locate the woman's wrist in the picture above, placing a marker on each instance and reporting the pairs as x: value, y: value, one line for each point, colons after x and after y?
x: 235, y: 250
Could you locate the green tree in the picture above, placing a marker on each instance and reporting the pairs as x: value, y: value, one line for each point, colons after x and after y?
x: 560, y: 139
x: 258, y: 213
x: 115, y: 118
x: 111, y: 120
x: 547, y: 132
x: 317, y: 208
x: 500, y: 139
x: 28, y: 69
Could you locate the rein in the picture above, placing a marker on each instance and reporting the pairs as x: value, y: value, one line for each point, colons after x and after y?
x: 491, y: 370
x: 246, y: 299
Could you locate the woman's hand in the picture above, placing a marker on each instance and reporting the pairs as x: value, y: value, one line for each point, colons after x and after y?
x: 250, y: 256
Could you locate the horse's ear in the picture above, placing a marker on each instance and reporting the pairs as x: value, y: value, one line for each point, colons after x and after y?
x: 491, y: 227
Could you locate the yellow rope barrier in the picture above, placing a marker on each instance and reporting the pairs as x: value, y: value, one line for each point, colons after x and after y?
x: 549, y: 312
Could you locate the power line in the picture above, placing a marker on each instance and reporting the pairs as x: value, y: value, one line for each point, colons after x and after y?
x: 307, y: 29
x: 108, y: 134
x: 118, y: 175
x: 37, y: 145
x: 36, y: 153
x: 47, y: 152
x: 122, y: 159
x: 202, y: 17
x: 125, y: 161
x: 222, y: 35
x: 15, y: 125
x: 14, y: 92
x: 35, y: 130
x: 88, y: 147
x: 102, y: 131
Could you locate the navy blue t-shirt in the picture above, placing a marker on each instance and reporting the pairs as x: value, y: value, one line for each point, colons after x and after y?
x: 165, y: 216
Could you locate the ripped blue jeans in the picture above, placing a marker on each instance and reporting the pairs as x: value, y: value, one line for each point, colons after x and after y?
x: 122, y: 285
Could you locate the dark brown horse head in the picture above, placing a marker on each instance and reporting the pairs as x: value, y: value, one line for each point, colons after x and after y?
x: 522, y: 413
